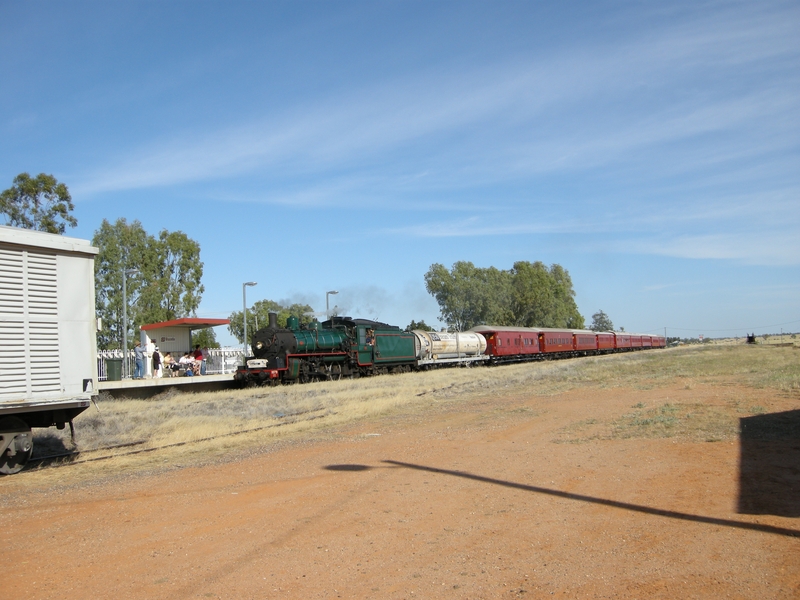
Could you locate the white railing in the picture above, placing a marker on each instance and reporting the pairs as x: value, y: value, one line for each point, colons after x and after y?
x: 220, y: 361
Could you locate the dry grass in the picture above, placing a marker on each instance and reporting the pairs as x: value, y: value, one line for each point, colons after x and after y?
x: 215, y: 425
x: 693, y: 366
x: 693, y: 422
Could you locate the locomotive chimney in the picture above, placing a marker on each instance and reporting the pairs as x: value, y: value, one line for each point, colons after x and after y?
x: 273, y: 320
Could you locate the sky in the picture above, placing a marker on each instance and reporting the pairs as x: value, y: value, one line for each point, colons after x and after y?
x: 651, y: 149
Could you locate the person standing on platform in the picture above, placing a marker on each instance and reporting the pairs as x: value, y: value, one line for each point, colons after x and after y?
x: 156, y: 364
x: 205, y: 358
x: 198, y: 359
x: 138, y: 353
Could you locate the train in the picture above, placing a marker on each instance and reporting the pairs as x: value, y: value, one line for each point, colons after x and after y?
x: 48, y: 349
x: 343, y: 347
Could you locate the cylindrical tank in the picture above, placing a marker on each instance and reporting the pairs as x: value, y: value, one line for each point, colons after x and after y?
x: 433, y: 345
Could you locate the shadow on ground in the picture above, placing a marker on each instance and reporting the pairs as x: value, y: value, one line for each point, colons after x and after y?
x: 636, y: 508
x: 769, y: 464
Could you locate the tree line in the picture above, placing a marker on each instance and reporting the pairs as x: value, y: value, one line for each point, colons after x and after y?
x: 527, y: 295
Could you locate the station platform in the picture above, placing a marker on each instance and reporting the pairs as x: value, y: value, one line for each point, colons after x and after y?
x: 145, y: 388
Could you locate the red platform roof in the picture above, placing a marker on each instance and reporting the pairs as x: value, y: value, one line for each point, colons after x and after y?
x: 187, y: 323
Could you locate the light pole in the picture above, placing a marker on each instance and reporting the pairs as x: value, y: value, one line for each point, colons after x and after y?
x: 327, y: 303
x: 125, y: 274
x: 244, y: 312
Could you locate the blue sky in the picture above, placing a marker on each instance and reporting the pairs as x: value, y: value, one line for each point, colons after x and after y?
x: 651, y: 149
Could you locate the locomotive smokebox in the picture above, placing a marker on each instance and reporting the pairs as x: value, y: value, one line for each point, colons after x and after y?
x: 273, y: 320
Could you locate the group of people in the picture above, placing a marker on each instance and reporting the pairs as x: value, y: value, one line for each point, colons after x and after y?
x: 192, y: 363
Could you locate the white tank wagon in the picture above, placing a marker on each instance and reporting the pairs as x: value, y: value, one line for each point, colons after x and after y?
x: 433, y: 347
x: 48, y: 345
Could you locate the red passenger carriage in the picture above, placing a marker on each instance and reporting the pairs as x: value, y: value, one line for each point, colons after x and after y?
x: 584, y: 341
x: 510, y: 343
x: 605, y: 341
x: 555, y: 340
x: 622, y: 341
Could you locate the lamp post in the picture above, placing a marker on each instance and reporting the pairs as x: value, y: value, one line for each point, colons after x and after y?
x: 244, y: 312
x: 125, y: 365
x: 327, y: 303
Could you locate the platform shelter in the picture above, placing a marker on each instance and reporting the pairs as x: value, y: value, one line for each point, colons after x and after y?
x: 175, y: 336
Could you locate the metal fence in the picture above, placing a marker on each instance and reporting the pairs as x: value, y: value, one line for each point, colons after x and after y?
x: 219, y: 361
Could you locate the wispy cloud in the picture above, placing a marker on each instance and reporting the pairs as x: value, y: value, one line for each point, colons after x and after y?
x: 758, y: 245
x: 778, y: 249
x: 477, y: 226
x: 517, y: 119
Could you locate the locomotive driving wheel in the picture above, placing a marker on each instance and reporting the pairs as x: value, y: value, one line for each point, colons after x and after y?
x: 16, y: 445
x: 334, y: 371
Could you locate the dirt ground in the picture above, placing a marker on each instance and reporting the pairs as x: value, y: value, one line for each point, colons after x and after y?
x: 500, y: 496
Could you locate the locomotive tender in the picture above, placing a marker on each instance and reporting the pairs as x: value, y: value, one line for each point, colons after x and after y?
x: 345, y: 347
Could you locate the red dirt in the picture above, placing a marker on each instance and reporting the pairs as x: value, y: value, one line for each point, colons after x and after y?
x: 473, y: 499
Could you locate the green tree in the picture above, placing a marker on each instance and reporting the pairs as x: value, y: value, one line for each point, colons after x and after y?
x: 258, y: 317
x: 565, y: 309
x: 165, y: 285
x: 205, y: 337
x: 529, y: 295
x: 468, y: 295
x: 532, y: 296
x: 122, y: 247
x: 422, y: 326
x: 601, y: 322
x: 39, y: 203
x: 175, y: 290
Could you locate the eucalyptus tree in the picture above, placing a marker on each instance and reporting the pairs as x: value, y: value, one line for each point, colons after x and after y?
x: 205, y: 338
x: 565, y: 309
x: 601, y: 322
x: 162, y: 277
x: 40, y: 203
x: 532, y: 297
x: 528, y: 295
x: 419, y: 325
x: 176, y: 288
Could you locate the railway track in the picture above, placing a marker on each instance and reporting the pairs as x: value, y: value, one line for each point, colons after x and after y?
x: 53, y: 461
